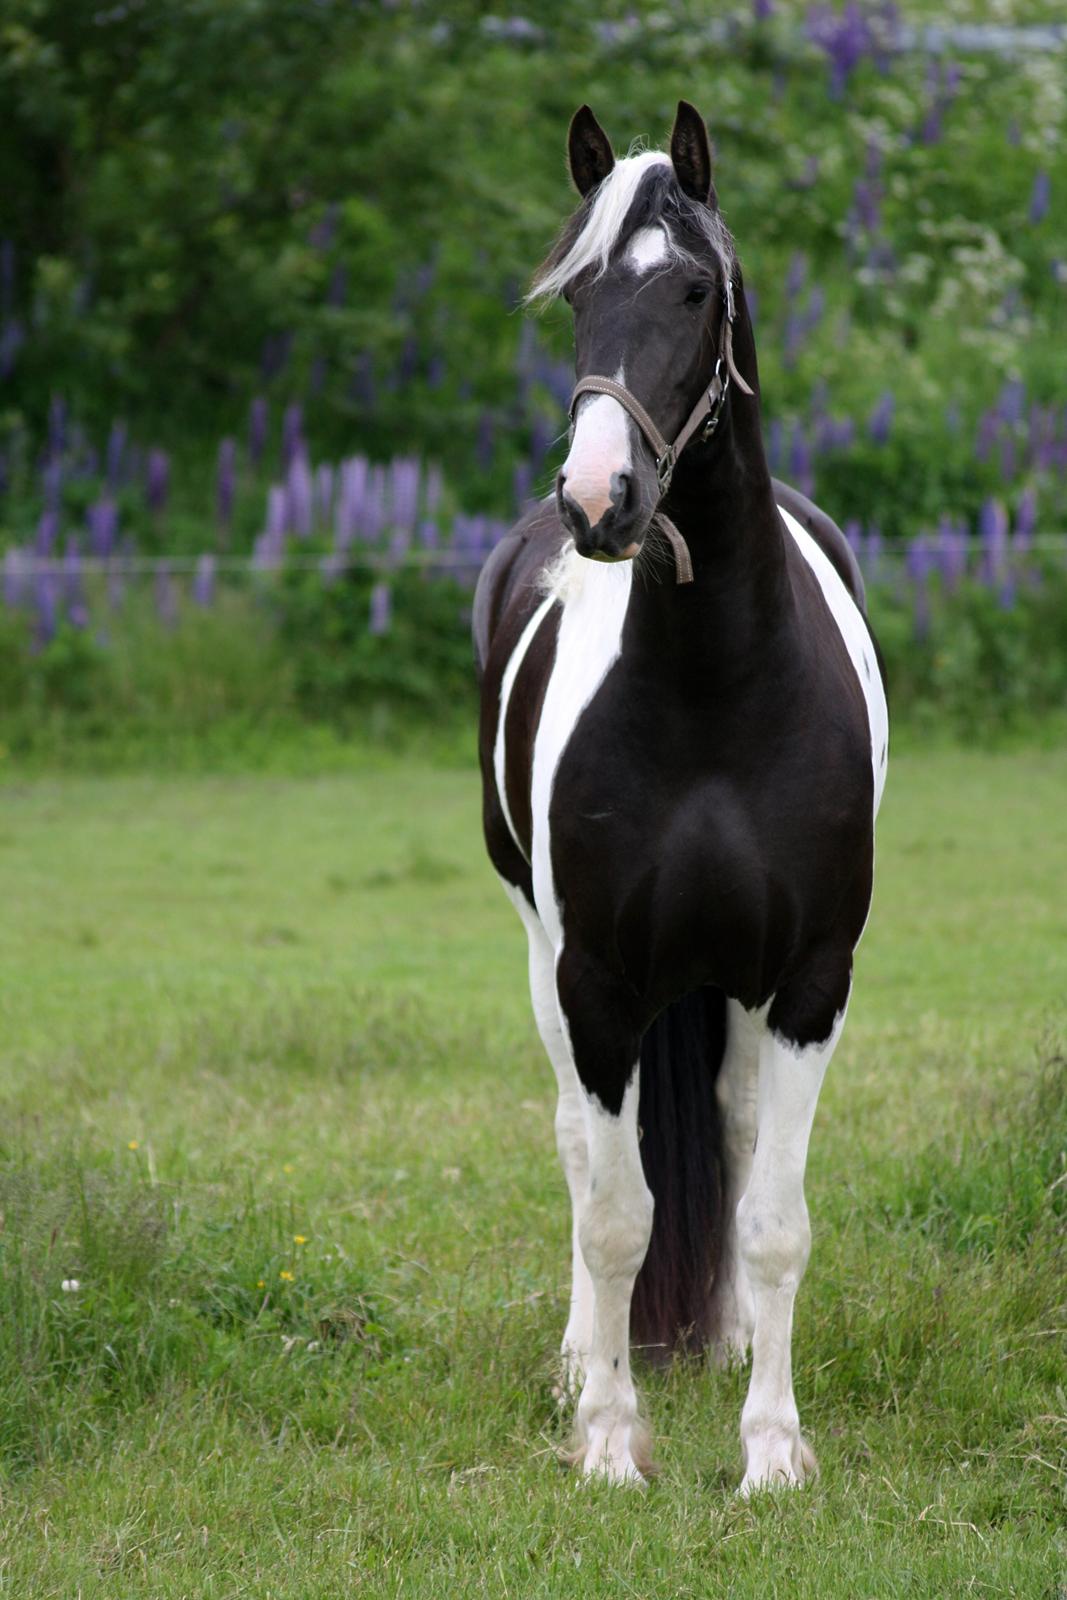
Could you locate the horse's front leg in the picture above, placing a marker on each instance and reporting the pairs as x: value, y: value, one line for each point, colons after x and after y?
x: 774, y: 1239
x: 614, y: 1212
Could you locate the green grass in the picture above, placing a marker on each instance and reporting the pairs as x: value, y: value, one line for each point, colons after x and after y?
x: 303, y: 1000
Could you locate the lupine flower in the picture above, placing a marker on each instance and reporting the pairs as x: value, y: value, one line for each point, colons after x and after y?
x: 321, y: 235
x: 116, y: 453
x: 1025, y: 520
x: 292, y: 433
x: 349, y: 501
x: 45, y: 596
x: 16, y: 582
x: 429, y: 535
x: 381, y: 609
x: 323, y: 493
x: 157, y: 480
x: 166, y: 596
x: 337, y: 292
x: 57, y: 425
x: 1040, y: 197
x: 762, y: 10
x: 47, y: 532
x: 102, y: 518
x: 226, y: 481
x: 853, y: 532
x: 952, y: 552
x: 404, y: 497
x: 880, y: 421
x: 993, y: 534
x: 204, y: 580
x: 258, y: 413
x: 873, y: 553
x: 300, y: 494
x: 12, y: 338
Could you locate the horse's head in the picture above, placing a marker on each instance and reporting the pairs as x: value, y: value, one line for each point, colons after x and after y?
x: 647, y: 263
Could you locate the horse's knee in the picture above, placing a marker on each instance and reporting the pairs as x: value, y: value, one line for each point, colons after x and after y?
x: 774, y: 1238
x: 614, y: 1228
x: 570, y: 1135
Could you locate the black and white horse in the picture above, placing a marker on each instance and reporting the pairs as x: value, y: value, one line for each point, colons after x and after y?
x: 683, y: 744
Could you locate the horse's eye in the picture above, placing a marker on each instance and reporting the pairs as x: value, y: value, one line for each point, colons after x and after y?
x: 697, y: 294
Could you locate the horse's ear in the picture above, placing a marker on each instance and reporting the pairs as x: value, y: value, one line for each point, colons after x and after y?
x: 691, y: 155
x: 589, y: 151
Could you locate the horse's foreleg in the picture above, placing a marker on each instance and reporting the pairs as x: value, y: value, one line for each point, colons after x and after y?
x: 735, y: 1091
x: 774, y: 1237
x: 570, y: 1136
x: 614, y: 1217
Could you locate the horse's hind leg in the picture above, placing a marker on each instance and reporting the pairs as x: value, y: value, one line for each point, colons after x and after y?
x: 775, y: 1239
x: 570, y: 1134
x: 735, y: 1091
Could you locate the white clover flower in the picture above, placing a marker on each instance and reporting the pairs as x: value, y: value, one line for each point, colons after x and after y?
x: 70, y: 1285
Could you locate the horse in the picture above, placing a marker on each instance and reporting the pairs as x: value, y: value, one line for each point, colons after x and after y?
x: 683, y: 745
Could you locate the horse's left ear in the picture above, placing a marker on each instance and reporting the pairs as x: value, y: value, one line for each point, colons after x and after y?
x: 691, y: 155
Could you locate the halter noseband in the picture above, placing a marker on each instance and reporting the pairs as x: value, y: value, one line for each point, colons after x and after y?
x: 704, y: 417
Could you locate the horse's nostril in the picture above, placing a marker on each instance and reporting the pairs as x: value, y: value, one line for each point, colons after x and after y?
x: 622, y: 491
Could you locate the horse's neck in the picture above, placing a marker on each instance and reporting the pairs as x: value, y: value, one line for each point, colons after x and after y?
x: 723, y: 505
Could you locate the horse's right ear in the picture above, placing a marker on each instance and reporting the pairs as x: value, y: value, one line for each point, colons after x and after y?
x: 589, y: 152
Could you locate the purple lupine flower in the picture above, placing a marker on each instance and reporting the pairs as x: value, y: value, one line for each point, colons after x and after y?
x: 815, y: 307
x: 337, y: 292
x: 226, y: 481
x: 800, y: 461
x: 522, y: 484
x: 300, y: 494
x: 324, y: 477
x: 429, y: 534
x: 993, y: 535
x: 73, y: 587
x: 373, y: 511
x: 404, y: 495
x: 873, y: 554
x: 951, y: 552
x: 542, y: 437
x: 1011, y: 402
x: 797, y: 274
x: 47, y: 532
x: 166, y: 596
x: 853, y: 532
x: 381, y: 609
x: 752, y: 305
x: 12, y: 338
x: 57, y: 425
x: 52, y: 484
x: 1040, y: 197
x: 408, y: 364
x: 258, y: 416
x: 292, y: 433
x: 930, y: 130
x: 102, y: 518
x: 1025, y: 520
x: 776, y: 444
x: 792, y: 341
x: 204, y: 580
x: 277, y: 514
x: 988, y: 428
x: 157, y: 480
x: 46, y: 605
x: 483, y: 448
x: 1007, y: 458
x: 433, y: 483
x: 880, y: 421
x: 350, y: 500
x: 117, y: 441
x: 762, y: 10
x: 16, y: 583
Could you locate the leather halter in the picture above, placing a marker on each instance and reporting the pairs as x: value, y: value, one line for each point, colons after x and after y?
x: 704, y: 418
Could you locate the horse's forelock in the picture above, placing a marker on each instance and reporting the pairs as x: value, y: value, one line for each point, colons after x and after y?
x: 639, y: 191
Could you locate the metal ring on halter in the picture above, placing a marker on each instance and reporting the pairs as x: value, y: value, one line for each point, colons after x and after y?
x: 665, y: 470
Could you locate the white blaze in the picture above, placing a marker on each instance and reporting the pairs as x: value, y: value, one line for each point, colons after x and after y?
x: 599, y: 449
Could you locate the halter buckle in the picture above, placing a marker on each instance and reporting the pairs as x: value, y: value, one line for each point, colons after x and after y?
x: 665, y: 469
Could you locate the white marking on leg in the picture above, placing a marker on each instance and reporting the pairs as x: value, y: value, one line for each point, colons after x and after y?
x: 857, y: 637
x: 570, y: 1133
x: 589, y: 640
x: 600, y: 449
x: 736, y: 1092
x: 507, y: 683
x: 614, y: 1227
x: 648, y: 248
x: 775, y: 1239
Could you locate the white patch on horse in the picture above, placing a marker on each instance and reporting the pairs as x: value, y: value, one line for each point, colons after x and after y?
x: 571, y: 1141
x: 595, y: 596
x: 609, y: 211
x: 600, y: 449
x: 614, y: 1227
x: 857, y: 638
x: 507, y: 683
x: 648, y: 248
x: 774, y: 1240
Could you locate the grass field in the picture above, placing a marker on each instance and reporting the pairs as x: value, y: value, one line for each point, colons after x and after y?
x: 273, y: 1099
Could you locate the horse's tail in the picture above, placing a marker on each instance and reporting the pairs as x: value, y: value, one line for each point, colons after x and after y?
x: 681, y: 1149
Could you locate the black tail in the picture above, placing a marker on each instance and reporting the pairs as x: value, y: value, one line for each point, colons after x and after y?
x: 681, y: 1149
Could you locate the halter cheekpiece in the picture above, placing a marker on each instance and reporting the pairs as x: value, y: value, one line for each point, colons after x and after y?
x: 703, y: 419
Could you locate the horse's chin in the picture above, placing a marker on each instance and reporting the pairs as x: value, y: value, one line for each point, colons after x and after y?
x: 633, y: 549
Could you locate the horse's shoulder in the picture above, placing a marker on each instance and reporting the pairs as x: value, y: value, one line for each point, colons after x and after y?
x: 510, y: 580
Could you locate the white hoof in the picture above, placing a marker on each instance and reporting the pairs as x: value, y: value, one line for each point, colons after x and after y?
x: 777, y: 1463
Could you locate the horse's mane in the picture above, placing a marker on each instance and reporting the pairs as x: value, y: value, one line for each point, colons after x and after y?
x: 639, y: 191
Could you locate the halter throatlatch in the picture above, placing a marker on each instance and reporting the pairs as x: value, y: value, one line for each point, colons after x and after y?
x: 704, y: 418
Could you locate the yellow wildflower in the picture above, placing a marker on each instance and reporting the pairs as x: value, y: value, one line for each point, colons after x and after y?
x: 286, y: 1276
x: 261, y: 1283
x: 288, y: 1167
x: 300, y: 1238
x: 133, y: 1144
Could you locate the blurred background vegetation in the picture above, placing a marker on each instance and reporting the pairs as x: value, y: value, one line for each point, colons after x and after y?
x: 267, y: 396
